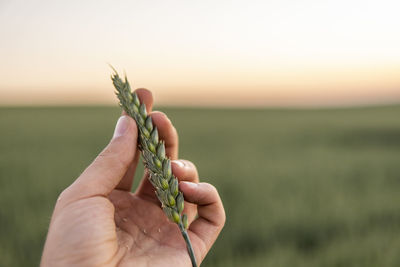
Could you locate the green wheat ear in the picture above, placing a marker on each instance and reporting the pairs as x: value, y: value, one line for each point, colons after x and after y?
x: 154, y: 158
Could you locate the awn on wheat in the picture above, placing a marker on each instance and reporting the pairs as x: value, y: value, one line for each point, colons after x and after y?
x: 154, y: 159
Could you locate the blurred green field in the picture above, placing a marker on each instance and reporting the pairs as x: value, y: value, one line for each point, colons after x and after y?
x: 300, y: 187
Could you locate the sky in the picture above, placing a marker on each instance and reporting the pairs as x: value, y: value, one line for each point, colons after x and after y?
x: 202, y: 53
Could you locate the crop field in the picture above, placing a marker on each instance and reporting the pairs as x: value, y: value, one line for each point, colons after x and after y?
x: 318, y: 187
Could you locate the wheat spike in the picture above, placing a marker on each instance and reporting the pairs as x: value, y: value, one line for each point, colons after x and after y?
x: 154, y: 159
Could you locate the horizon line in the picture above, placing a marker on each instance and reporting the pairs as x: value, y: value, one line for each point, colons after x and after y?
x: 210, y: 106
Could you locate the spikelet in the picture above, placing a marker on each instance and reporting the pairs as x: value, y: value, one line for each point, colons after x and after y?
x: 154, y: 158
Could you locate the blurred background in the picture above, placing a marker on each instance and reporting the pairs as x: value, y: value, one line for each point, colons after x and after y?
x: 290, y: 108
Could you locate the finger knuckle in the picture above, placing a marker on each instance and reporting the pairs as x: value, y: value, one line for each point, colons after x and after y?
x: 190, y: 164
x: 212, y: 189
x: 158, y: 115
x: 220, y: 212
x: 191, y: 169
x: 222, y: 217
x: 63, y: 195
x: 175, y: 132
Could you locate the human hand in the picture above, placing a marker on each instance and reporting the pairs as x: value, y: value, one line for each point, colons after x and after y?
x: 97, y: 221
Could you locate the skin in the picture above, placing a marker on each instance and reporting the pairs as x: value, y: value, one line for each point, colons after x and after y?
x: 97, y: 221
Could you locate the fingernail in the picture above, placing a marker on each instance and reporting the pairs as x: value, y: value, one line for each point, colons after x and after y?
x: 179, y: 163
x: 189, y: 184
x: 122, y: 126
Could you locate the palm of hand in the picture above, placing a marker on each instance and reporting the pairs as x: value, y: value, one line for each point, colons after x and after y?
x: 125, y: 229
x: 146, y: 233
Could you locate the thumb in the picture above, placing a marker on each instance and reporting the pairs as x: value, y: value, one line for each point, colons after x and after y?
x: 106, y: 171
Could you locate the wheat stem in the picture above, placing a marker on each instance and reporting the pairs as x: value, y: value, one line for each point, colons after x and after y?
x: 154, y: 159
x: 188, y: 244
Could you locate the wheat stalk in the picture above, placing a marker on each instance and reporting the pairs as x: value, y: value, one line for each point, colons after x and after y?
x: 154, y: 159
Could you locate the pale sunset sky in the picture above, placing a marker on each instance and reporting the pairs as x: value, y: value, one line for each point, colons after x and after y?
x: 202, y: 53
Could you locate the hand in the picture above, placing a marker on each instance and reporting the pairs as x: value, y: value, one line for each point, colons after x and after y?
x: 97, y: 221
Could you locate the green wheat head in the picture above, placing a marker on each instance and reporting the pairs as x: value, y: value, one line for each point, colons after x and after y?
x: 154, y: 158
